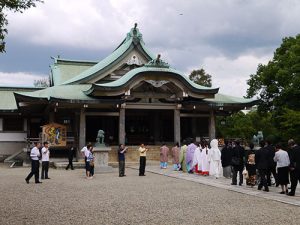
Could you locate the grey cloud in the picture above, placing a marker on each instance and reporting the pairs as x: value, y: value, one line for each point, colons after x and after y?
x: 34, y: 58
x: 206, y: 29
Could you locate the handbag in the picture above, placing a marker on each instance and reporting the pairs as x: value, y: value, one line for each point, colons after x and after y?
x: 245, y: 174
x: 92, y: 163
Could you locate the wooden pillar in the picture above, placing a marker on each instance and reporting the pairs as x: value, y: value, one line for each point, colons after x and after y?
x: 122, y: 126
x: 212, y: 124
x: 82, y: 131
x: 157, y: 126
x: 177, y: 134
x: 51, y: 117
x: 194, y: 127
x: 25, y: 124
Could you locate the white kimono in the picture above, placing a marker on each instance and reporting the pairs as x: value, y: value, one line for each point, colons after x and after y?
x: 204, y: 161
x: 214, y: 158
x: 197, y: 158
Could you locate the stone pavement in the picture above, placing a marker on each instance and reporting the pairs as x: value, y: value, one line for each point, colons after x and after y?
x: 225, y: 183
x: 69, y: 198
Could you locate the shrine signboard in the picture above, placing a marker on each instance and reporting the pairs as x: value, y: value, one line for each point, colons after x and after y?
x: 55, y: 134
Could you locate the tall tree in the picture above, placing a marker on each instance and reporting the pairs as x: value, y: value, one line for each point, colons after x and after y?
x: 278, y: 83
x: 44, y: 82
x: 240, y: 125
x: 201, y: 77
x: 11, y: 5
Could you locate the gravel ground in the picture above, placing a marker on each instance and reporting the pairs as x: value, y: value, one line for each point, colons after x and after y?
x: 68, y: 198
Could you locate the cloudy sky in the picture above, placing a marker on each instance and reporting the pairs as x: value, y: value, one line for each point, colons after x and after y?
x: 228, y: 38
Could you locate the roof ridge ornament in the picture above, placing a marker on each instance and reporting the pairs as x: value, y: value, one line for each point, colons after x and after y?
x: 157, y: 63
x: 135, y: 35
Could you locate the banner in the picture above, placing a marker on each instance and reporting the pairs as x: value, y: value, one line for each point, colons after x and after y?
x: 55, y: 134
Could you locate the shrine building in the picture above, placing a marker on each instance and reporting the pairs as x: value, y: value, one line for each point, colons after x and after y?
x: 132, y: 95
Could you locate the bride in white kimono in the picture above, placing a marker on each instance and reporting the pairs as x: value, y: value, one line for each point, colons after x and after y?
x: 204, y: 159
x: 214, y: 158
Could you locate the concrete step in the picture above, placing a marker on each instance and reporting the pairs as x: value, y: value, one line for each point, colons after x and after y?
x: 81, y: 164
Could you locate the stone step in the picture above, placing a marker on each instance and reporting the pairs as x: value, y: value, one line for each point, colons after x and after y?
x: 81, y: 164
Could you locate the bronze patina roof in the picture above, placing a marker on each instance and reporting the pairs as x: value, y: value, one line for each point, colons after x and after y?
x: 133, y: 40
x: 154, y: 70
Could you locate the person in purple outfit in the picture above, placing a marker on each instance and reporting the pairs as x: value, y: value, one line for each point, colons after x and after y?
x: 190, y: 156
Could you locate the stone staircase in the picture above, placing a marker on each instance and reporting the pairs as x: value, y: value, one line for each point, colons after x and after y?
x: 17, y: 159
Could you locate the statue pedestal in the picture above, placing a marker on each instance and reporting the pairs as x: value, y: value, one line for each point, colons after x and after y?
x: 101, y: 159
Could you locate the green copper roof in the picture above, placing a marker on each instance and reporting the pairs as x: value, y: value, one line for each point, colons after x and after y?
x: 8, y: 101
x: 64, y: 69
x: 227, y: 99
x: 67, y: 92
x: 133, y: 38
x: 151, y: 69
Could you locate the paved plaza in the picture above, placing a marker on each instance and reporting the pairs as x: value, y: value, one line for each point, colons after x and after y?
x: 68, y: 198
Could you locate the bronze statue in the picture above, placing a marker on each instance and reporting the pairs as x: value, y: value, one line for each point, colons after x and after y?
x: 100, y: 137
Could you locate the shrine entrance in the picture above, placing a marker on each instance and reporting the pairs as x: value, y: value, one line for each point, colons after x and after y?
x: 149, y: 126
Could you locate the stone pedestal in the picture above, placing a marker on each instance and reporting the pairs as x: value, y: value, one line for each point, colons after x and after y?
x: 101, y: 159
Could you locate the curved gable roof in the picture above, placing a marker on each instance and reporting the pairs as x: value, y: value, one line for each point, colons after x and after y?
x: 151, y: 72
x: 132, y: 40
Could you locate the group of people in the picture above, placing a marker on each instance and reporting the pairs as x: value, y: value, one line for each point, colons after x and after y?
x: 121, y: 157
x: 42, y: 153
x: 36, y: 155
x: 258, y: 165
x: 194, y: 157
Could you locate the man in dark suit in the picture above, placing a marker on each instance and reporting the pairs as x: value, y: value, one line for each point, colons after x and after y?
x: 262, y: 164
x: 294, y: 155
x: 238, y: 152
x: 70, y: 157
x: 272, y: 164
x: 226, y: 155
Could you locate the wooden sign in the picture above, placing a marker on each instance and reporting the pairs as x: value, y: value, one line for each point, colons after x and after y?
x: 55, y: 134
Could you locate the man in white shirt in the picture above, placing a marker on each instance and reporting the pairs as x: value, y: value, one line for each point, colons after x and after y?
x: 35, y: 164
x: 85, y: 153
x: 83, y: 150
x: 45, y: 161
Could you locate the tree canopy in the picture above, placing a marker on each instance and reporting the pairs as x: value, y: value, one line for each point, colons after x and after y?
x: 278, y: 83
x: 201, y: 77
x: 11, y: 5
x: 44, y: 82
x: 244, y: 126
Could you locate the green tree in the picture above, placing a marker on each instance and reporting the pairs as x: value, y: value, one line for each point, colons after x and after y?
x: 290, y: 123
x: 237, y: 125
x: 41, y: 83
x: 201, y: 77
x: 11, y: 5
x: 277, y: 84
x: 244, y: 126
